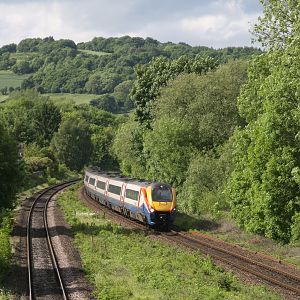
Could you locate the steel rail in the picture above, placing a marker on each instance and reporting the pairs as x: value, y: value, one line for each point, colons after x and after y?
x: 248, y: 270
x: 55, y: 189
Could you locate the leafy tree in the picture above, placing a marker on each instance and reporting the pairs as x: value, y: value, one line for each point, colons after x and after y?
x: 72, y: 143
x: 279, y: 24
x: 121, y: 95
x: 22, y: 67
x: 263, y: 188
x: 102, y: 138
x: 128, y: 148
x: 152, y: 77
x: 105, y: 102
x: 47, y: 119
x: 263, y: 192
x: 195, y: 113
x: 30, y: 117
x: 11, y: 48
x: 10, y: 173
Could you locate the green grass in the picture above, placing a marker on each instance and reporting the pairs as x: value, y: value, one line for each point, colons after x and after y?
x: 77, y: 98
x: 23, y: 55
x: 3, y: 97
x: 124, y: 264
x: 97, y: 53
x: 5, y: 250
x: 8, y: 78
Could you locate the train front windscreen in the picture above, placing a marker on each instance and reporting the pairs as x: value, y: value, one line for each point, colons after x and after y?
x: 162, y: 193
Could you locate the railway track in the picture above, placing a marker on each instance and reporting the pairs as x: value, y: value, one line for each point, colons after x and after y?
x: 44, y: 276
x: 265, y: 272
x: 288, y: 281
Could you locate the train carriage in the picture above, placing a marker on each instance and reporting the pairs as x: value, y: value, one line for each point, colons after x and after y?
x: 152, y: 203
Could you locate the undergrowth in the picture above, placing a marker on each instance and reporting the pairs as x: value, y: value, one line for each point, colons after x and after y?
x: 5, y: 249
x: 125, y: 264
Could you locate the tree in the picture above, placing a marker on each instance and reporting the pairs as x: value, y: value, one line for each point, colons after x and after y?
x: 194, y: 114
x: 22, y: 67
x: 46, y: 120
x: 264, y: 187
x: 72, y: 143
x: 155, y: 75
x: 128, y: 148
x: 105, y: 102
x: 10, y: 173
x: 280, y: 23
x: 102, y: 138
x: 263, y: 191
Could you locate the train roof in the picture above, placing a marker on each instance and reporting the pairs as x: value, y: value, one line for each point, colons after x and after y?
x: 118, y: 177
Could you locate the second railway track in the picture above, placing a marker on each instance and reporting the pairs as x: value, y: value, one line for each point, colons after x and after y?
x: 45, y: 280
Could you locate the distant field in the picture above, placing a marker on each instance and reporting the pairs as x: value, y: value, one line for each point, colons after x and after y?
x: 98, y: 53
x: 23, y: 55
x: 8, y: 78
x: 3, y: 98
x: 77, y: 98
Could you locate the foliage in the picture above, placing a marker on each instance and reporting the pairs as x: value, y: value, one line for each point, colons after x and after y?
x: 279, y: 24
x: 194, y: 114
x: 295, y: 229
x: 128, y: 148
x: 202, y: 191
x: 155, y: 75
x: 5, y: 247
x: 46, y: 118
x: 102, y: 138
x: 105, y: 102
x: 30, y: 117
x: 10, y: 169
x: 98, y: 66
x: 72, y: 143
x: 263, y: 191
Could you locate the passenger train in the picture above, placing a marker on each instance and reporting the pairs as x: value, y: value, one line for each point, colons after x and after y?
x: 152, y: 203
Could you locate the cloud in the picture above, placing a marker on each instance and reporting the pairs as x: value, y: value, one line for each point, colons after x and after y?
x: 216, y: 23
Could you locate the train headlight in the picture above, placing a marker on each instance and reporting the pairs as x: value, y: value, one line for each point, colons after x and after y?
x: 151, y: 209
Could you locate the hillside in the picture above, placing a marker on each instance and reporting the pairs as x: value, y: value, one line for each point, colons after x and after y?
x: 101, y: 66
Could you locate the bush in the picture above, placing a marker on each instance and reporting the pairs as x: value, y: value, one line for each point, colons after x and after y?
x: 296, y: 229
x: 5, y: 250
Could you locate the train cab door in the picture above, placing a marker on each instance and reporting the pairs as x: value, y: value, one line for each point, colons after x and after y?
x: 141, y: 200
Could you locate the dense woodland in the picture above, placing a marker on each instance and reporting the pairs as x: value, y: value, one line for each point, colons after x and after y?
x: 222, y: 126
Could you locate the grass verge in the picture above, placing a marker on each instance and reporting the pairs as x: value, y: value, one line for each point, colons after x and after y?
x: 124, y: 264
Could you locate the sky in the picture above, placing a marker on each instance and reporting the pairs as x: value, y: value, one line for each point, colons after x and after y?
x: 213, y: 23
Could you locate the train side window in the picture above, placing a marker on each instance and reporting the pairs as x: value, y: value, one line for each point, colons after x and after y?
x: 86, y: 178
x: 101, y: 185
x: 131, y: 194
x: 92, y: 181
x: 114, y: 189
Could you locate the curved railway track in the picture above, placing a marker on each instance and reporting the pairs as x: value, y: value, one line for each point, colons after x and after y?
x: 267, y: 273
x: 288, y: 281
x: 44, y: 277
